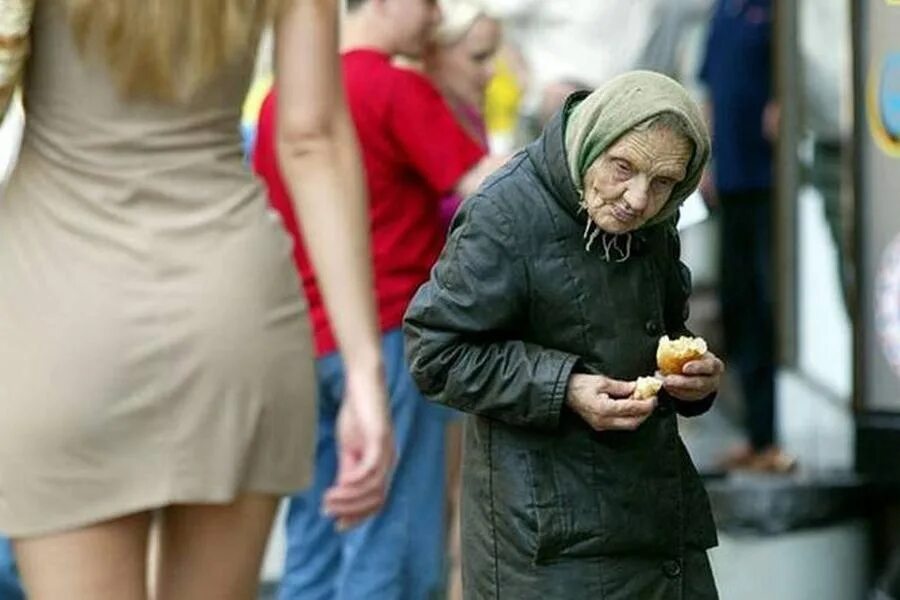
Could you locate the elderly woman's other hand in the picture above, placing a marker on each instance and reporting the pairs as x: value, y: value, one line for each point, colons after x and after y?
x: 699, y: 379
x: 606, y: 403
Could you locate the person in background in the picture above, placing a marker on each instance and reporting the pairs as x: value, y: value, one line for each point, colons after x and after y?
x: 460, y: 61
x: 744, y: 121
x: 156, y: 362
x: 415, y: 152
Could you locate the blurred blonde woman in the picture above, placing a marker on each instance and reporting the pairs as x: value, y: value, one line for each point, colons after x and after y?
x: 460, y: 59
x: 155, y: 360
x: 460, y: 62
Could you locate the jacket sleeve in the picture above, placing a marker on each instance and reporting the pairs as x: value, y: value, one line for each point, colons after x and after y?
x: 678, y: 292
x: 462, y: 329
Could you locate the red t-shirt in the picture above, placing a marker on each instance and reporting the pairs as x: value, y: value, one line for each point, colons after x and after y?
x: 414, y: 153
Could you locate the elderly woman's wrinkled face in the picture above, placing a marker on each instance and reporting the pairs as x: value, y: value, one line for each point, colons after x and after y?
x: 632, y: 181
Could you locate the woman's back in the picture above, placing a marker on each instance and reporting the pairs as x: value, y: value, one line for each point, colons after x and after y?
x: 155, y: 358
x: 84, y: 135
x: 155, y: 340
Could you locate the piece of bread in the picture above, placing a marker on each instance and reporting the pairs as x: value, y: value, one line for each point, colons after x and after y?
x: 646, y: 387
x: 672, y: 355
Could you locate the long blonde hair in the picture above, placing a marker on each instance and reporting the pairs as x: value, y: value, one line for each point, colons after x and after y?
x: 168, y: 48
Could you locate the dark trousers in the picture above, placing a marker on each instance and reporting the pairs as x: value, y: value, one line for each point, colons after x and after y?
x: 746, y: 283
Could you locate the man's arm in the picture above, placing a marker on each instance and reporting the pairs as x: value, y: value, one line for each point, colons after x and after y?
x: 319, y: 158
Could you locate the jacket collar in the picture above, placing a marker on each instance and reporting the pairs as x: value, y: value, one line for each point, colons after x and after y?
x: 548, y: 155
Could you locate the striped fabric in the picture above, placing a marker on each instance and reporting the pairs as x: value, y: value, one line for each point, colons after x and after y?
x: 15, y: 21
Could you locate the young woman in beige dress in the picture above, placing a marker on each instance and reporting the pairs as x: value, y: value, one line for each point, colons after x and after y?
x: 155, y: 361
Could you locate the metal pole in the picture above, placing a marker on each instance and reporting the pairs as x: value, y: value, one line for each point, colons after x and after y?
x: 788, y: 91
x: 857, y: 18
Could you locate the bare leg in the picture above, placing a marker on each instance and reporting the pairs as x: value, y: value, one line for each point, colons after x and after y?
x: 106, y: 561
x: 214, y: 550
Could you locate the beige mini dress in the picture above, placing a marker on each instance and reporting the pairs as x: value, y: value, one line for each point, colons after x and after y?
x: 154, y: 342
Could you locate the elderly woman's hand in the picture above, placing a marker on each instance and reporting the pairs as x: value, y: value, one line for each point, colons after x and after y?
x: 700, y: 378
x: 606, y: 403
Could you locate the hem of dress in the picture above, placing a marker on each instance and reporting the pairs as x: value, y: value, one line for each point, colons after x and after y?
x: 148, y: 504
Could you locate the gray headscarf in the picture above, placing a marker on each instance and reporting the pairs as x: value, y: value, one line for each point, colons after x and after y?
x: 615, y: 108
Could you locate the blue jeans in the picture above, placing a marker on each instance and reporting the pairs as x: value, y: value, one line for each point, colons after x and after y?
x: 398, y: 554
x: 9, y: 581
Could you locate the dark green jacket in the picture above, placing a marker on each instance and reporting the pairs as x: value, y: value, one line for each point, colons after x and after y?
x: 551, y: 508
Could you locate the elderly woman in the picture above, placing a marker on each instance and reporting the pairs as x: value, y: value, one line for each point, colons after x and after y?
x: 557, y: 282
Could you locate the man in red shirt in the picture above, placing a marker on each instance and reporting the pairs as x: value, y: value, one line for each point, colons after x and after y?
x: 414, y: 152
